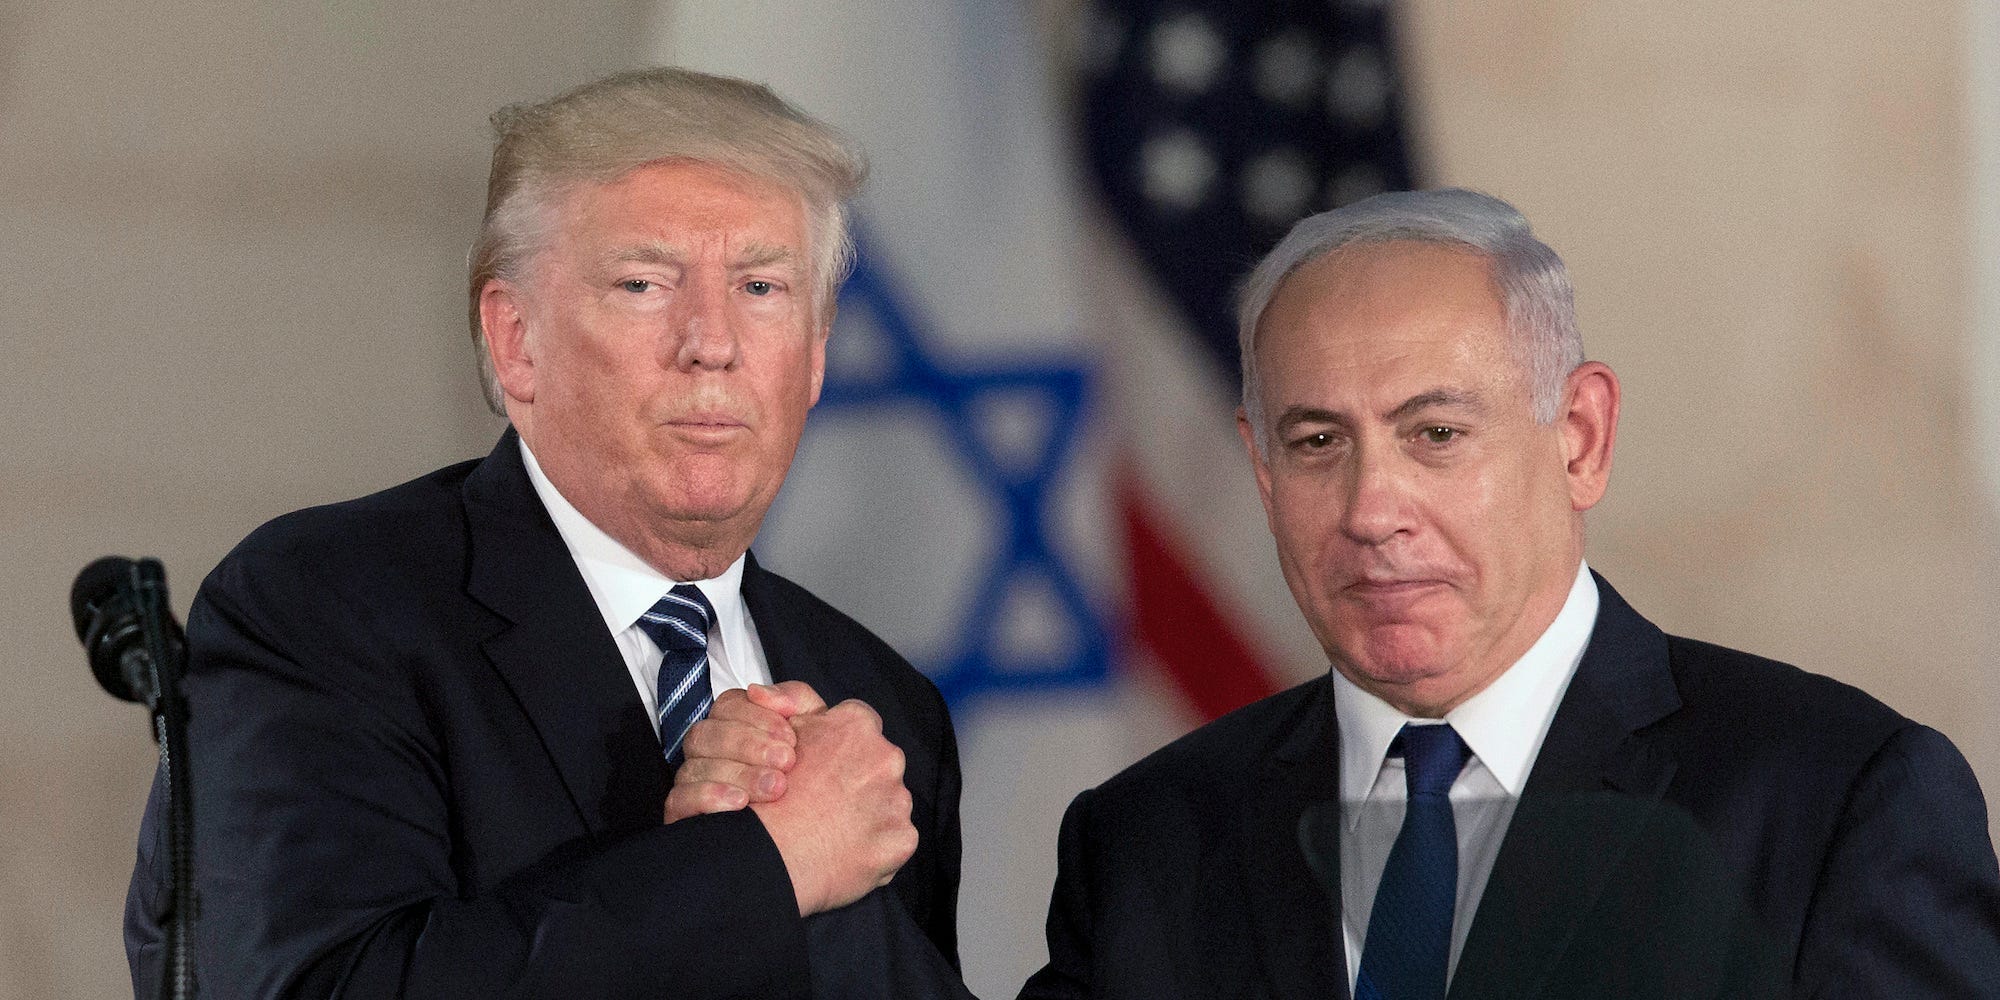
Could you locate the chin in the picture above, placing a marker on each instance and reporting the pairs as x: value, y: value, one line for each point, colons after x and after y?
x: 684, y: 499
x: 1399, y: 655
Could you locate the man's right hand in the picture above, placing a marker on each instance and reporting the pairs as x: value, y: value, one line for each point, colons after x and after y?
x: 741, y: 752
x: 841, y: 816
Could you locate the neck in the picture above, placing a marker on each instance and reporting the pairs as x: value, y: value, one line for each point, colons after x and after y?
x: 681, y: 549
x: 683, y: 552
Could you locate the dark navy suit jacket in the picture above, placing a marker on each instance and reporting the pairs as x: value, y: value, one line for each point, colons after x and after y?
x: 1699, y: 822
x: 421, y: 770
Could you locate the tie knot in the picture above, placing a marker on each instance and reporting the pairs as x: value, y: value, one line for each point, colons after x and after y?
x: 678, y: 622
x: 1432, y: 757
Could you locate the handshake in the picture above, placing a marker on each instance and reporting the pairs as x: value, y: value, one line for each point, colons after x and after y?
x: 825, y: 782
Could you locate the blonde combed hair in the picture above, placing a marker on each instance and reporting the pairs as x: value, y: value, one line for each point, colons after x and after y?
x: 600, y: 131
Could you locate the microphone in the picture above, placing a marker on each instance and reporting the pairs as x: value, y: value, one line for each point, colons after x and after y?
x: 105, y: 605
x: 139, y: 653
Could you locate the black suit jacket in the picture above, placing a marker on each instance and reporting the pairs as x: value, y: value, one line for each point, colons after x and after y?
x: 420, y: 769
x: 1699, y: 822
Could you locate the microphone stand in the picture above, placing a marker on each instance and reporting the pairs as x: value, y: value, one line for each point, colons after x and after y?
x: 149, y: 581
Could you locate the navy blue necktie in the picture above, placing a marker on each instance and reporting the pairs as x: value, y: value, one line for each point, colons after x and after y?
x: 1409, y: 929
x: 678, y: 624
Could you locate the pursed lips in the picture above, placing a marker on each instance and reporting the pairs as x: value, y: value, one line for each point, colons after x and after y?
x: 707, y: 423
x: 1373, y: 588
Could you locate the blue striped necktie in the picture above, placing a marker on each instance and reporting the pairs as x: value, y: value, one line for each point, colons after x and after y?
x: 678, y: 624
x: 1408, y: 951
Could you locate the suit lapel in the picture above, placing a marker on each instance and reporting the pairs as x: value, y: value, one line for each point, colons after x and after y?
x: 555, y: 655
x: 1292, y: 858
x: 1592, y: 789
x: 789, y: 646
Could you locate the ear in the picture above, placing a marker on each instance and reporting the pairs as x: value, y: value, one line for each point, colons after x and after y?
x: 1589, y: 426
x: 1259, y: 462
x: 505, y: 326
x: 820, y: 338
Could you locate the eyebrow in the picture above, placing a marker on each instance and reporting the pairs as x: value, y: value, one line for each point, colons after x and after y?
x: 646, y: 253
x: 1298, y: 414
x: 754, y: 255
x: 765, y: 255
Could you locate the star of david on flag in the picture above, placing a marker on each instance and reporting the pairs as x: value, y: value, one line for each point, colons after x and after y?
x: 1001, y: 438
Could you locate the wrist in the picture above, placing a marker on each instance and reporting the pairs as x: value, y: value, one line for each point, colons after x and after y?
x: 810, y: 896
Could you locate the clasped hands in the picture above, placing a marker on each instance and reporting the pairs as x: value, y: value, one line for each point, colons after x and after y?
x: 825, y: 782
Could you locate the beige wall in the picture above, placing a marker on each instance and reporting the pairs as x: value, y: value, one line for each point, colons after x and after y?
x: 230, y: 285
x: 231, y: 244
x: 1767, y: 212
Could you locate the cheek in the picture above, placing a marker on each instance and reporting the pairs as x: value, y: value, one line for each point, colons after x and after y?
x: 1305, y: 524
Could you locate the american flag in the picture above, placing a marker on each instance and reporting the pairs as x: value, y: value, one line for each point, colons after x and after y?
x: 1209, y: 129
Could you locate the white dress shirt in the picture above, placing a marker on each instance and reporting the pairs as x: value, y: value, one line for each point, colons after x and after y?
x: 1504, y: 726
x: 625, y: 587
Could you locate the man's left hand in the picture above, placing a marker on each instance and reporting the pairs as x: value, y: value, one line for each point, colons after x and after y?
x: 742, y: 751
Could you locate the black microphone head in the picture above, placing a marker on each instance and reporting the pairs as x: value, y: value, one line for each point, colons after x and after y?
x: 95, y: 587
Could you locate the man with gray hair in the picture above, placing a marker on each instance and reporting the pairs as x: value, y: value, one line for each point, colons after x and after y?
x: 1509, y: 784
x: 436, y: 727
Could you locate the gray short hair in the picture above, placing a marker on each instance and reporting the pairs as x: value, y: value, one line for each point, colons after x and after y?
x: 1532, y: 281
x: 600, y: 131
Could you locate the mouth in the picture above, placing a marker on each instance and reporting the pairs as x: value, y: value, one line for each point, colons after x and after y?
x: 1391, y: 588
x: 707, y: 426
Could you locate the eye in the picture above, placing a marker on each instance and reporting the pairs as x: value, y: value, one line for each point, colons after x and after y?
x: 759, y: 287
x: 1313, y: 442
x: 1439, y: 435
x: 636, y: 285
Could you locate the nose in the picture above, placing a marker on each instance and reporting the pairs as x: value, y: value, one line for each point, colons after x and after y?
x: 1377, y: 502
x: 704, y: 332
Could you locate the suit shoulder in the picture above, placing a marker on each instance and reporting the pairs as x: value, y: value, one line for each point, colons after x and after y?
x: 1790, y: 710
x: 379, y: 549
x: 392, y: 516
x: 1223, y: 750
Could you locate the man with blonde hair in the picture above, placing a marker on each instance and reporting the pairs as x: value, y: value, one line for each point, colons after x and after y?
x: 437, y: 726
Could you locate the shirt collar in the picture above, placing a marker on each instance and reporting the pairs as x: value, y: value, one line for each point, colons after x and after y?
x: 623, y: 585
x: 1503, y: 725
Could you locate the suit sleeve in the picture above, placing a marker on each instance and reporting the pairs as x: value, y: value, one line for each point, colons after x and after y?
x: 1068, y: 972
x: 326, y: 857
x: 877, y: 947
x: 943, y: 925
x: 1908, y: 902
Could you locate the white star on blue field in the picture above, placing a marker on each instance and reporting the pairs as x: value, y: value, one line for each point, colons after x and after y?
x: 1017, y: 480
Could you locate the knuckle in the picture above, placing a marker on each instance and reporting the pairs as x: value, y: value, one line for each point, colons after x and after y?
x: 859, y: 710
x: 799, y: 694
x: 772, y: 725
x: 730, y: 703
x: 701, y: 738
x: 715, y: 796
